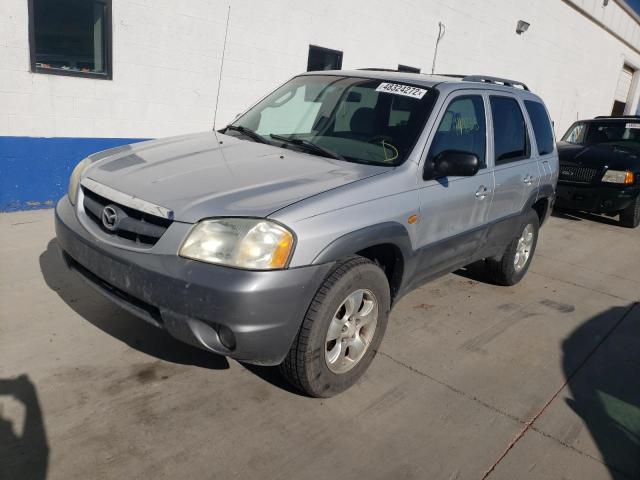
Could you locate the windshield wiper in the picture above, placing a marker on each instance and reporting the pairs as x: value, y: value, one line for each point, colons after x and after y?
x: 307, y: 145
x: 247, y: 132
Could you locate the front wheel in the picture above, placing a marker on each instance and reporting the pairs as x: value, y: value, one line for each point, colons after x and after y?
x: 341, y: 331
x: 515, y: 261
x: 630, y: 216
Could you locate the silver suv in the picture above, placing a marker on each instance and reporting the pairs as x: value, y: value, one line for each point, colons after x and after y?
x: 286, y: 237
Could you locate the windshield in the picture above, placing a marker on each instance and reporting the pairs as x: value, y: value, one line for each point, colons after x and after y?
x: 623, y: 134
x: 354, y: 119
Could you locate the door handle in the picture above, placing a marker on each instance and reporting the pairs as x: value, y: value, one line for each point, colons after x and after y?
x: 482, y: 192
x: 528, y: 179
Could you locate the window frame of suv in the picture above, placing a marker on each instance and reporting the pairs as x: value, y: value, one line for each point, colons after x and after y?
x: 108, y: 47
x: 533, y: 133
x: 432, y: 92
x: 527, y: 126
x: 437, y: 119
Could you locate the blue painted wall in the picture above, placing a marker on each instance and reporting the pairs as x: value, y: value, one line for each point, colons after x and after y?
x: 34, y: 172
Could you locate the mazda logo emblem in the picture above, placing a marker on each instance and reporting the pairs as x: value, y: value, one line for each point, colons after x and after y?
x: 109, y: 218
x: 567, y: 172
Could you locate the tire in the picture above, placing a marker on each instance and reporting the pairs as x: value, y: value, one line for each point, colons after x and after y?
x: 307, y: 365
x: 630, y: 216
x: 504, y: 271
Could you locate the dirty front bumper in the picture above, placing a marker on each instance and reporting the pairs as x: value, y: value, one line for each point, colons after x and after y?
x: 248, y: 315
x: 595, y: 198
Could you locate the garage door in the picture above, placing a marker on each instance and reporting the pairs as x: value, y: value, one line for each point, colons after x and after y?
x: 624, y: 84
x: 622, y: 90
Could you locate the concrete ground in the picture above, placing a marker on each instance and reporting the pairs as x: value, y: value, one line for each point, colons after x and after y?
x: 540, y: 380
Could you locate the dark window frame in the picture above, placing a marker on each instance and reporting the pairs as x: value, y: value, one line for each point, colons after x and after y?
x: 108, y: 47
x: 533, y: 126
x: 408, y: 69
x: 527, y: 154
x: 339, y: 53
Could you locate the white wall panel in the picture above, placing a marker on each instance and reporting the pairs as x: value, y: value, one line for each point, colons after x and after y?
x: 166, y: 57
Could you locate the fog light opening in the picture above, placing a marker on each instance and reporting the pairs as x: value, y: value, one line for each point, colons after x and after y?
x: 227, y: 338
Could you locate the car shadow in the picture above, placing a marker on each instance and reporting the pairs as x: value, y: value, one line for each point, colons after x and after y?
x: 578, y: 216
x: 117, y: 322
x: 606, y: 388
x: 475, y: 271
x: 24, y: 452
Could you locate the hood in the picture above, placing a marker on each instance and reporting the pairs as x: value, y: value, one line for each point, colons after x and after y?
x: 196, y: 177
x: 594, y: 156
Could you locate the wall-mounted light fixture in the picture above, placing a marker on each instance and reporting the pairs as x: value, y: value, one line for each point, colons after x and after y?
x: 522, y: 27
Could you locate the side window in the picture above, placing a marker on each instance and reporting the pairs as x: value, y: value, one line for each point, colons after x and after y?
x: 575, y: 133
x: 462, y: 128
x: 509, y: 130
x: 541, y: 126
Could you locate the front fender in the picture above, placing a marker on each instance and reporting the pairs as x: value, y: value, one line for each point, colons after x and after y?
x: 384, y: 233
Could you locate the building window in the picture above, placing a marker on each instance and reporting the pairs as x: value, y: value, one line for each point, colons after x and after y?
x: 323, y: 59
x: 71, y: 37
x: 406, y: 68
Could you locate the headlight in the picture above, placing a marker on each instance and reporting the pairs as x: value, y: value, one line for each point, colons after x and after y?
x: 250, y: 243
x: 74, y: 180
x: 618, y: 176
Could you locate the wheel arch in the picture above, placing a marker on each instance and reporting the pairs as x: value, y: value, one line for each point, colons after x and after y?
x: 387, y: 244
x: 541, y: 200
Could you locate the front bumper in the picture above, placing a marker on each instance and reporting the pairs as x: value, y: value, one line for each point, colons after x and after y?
x: 196, y: 302
x: 595, y: 198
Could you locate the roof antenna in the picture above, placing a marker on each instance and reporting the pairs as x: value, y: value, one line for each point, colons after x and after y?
x: 224, y: 48
x: 441, y: 30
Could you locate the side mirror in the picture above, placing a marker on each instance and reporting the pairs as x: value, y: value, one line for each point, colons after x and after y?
x: 453, y: 163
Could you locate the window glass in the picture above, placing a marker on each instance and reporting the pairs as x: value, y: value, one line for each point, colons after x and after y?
x: 70, y: 36
x: 323, y: 59
x: 619, y: 134
x: 575, y: 133
x: 462, y: 128
x: 358, y: 97
x: 509, y: 130
x: 290, y: 112
x: 346, y: 115
x: 541, y: 126
x: 400, y: 112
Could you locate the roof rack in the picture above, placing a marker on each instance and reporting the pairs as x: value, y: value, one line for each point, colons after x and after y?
x: 637, y: 117
x: 465, y: 78
x: 375, y: 69
x: 495, y: 80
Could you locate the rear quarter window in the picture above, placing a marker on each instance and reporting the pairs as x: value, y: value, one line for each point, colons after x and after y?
x: 541, y: 126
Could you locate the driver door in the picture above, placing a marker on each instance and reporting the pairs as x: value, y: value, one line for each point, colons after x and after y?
x: 454, y: 210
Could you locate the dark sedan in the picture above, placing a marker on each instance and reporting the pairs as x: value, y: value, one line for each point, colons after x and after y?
x: 600, y: 168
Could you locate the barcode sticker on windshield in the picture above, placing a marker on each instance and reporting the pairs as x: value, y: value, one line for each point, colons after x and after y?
x: 398, y: 89
x: 632, y: 125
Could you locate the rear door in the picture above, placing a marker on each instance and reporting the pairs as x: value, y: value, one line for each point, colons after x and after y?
x: 516, y: 170
x: 454, y: 210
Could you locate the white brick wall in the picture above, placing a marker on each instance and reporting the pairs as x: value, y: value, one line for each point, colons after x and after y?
x: 166, y: 57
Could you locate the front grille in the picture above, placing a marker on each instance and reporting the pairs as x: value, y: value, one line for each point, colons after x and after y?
x: 577, y: 174
x: 133, y: 225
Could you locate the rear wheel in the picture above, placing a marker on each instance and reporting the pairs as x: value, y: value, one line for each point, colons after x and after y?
x: 630, y: 216
x: 515, y: 261
x: 341, y: 331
